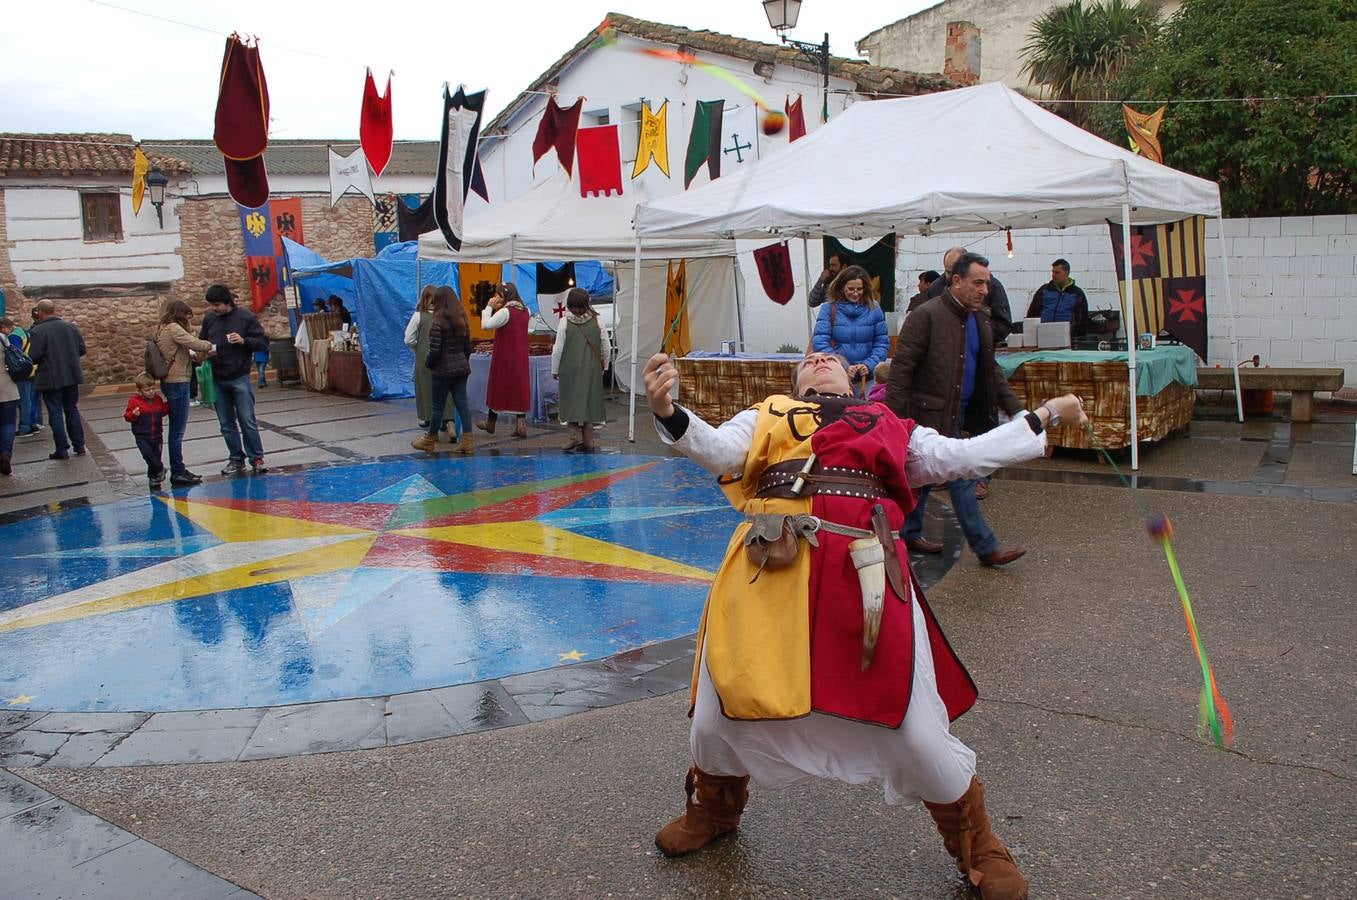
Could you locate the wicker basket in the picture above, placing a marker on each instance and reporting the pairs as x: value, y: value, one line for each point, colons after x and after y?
x: 1104, y: 389
x: 717, y: 388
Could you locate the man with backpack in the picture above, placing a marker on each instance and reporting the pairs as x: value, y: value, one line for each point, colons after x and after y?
x: 56, y: 346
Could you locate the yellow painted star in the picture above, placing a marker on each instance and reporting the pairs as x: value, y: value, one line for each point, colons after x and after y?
x: 573, y: 656
x: 21, y: 700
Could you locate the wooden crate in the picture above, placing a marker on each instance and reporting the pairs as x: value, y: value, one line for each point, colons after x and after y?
x: 1106, y: 396
x: 717, y: 388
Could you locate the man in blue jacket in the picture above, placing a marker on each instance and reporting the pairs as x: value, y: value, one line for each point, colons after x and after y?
x: 1061, y: 300
x: 236, y: 334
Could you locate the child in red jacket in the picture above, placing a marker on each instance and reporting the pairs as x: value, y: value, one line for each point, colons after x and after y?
x: 146, y: 410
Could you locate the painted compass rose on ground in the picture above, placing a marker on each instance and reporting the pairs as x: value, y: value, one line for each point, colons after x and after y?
x: 355, y: 580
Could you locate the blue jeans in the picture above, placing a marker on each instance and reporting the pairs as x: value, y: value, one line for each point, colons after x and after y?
x: 9, y: 417
x: 967, y: 509
x: 176, y: 394
x: 30, y: 413
x: 235, y: 405
x: 64, y: 416
x: 439, y: 399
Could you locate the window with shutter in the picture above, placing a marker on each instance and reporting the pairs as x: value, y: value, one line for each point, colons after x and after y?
x: 101, y: 216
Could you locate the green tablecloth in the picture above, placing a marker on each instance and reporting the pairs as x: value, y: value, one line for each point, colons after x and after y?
x: 1155, y: 369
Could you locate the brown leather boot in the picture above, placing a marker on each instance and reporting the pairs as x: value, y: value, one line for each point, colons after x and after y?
x: 521, y: 428
x: 467, y: 445
x: 488, y: 423
x: 714, y: 806
x: 979, y: 854
x: 426, y: 442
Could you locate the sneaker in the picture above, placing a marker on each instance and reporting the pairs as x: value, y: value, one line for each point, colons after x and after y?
x: 157, y: 482
x: 182, y: 479
x: 79, y: 451
x: 257, y: 466
x: 29, y: 433
x: 234, y: 467
x: 60, y: 454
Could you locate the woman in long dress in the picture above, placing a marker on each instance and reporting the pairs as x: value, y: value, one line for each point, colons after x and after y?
x: 417, y: 339
x: 578, y: 362
x: 508, y: 390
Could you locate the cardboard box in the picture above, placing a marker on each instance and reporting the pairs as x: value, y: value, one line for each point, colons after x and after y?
x: 1053, y: 335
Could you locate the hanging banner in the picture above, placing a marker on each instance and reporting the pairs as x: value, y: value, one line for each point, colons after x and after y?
x: 263, y: 275
x: 375, y: 129
x: 241, y: 131
x: 557, y: 130
x: 1168, y: 279
x: 414, y: 217
x: 286, y: 216
x: 676, y: 340
x: 477, y: 285
x: 878, y: 260
x: 600, y: 158
x: 1143, y: 129
x: 140, y: 166
x: 739, y: 138
x: 704, y: 141
x: 552, y: 287
x: 256, y: 231
x: 349, y: 173
x: 796, y: 119
x: 652, y: 140
x: 459, y: 137
x: 775, y: 271
x: 384, y: 220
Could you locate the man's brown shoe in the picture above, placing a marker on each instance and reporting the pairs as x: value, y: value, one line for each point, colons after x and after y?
x: 923, y: 545
x: 981, y: 490
x: 1002, y: 557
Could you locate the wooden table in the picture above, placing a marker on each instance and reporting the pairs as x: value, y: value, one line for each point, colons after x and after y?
x: 346, y: 374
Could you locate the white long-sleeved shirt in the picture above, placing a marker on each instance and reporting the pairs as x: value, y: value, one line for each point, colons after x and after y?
x: 491, y: 320
x: 412, y: 331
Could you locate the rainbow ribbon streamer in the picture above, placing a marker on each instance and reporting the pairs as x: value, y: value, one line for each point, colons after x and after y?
x: 1213, y: 714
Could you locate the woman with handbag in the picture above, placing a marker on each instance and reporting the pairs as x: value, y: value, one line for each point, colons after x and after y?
x: 417, y: 339
x: 176, y: 343
x: 449, y: 365
x: 577, y: 361
x: 509, y: 389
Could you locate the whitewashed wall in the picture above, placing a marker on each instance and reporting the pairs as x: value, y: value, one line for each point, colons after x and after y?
x: 291, y: 185
x: 1293, y: 281
x: 47, y: 245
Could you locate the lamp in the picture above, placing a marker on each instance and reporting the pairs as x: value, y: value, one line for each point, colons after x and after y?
x: 155, y: 186
x: 782, y: 16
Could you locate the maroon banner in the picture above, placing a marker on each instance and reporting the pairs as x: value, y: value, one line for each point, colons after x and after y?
x: 775, y: 271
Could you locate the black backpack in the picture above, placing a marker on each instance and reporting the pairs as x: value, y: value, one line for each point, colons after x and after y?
x: 17, y: 363
x: 153, y: 361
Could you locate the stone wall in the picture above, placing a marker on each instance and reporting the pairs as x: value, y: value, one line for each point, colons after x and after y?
x: 116, y: 323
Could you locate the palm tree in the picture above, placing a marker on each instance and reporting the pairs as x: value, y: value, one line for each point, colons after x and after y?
x: 1074, y: 51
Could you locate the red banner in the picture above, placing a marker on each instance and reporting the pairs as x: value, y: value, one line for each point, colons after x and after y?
x: 775, y: 271
x: 263, y: 274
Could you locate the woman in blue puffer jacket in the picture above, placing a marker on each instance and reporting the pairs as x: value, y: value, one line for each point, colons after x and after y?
x: 852, y: 324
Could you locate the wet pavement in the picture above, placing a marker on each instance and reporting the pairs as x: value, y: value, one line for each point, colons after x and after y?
x: 1084, y: 730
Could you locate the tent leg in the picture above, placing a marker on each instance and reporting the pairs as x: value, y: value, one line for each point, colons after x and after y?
x: 1229, y: 304
x: 1130, y: 332
x: 635, y: 335
x: 739, y: 301
x: 810, y: 317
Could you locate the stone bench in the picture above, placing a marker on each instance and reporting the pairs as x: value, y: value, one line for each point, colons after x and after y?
x: 1302, y: 384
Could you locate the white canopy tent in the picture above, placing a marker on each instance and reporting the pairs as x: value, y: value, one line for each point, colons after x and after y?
x: 965, y: 160
x: 552, y: 222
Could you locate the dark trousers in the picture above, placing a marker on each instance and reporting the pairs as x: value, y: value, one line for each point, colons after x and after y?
x: 9, y: 423
x: 64, y: 417
x: 176, y: 394
x: 150, y: 447
x: 439, y: 398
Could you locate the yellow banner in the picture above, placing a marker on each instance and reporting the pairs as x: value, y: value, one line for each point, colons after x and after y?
x: 478, y: 281
x: 1143, y: 129
x: 653, y: 140
x: 140, y: 166
x: 676, y: 341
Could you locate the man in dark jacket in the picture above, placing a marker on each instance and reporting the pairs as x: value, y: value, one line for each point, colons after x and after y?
x: 944, y: 376
x: 996, y: 301
x: 1061, y: 300
x: 236, y: 334
x: 56, y: 346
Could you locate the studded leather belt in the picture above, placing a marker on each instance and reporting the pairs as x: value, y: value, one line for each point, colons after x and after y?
x: 779, y: 480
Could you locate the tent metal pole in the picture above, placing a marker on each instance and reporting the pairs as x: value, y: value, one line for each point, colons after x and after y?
x: 739, y: 300
x: 635, y: 334
x: 1130, y: 331
x: 805, y: 265
x: 1229, y: 303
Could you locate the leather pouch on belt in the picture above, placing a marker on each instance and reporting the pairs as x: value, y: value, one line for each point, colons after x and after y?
x: 773, y: 541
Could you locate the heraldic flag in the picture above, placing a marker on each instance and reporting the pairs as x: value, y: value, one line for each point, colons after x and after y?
x: 704, y: 141
x: 1168, y: 279
x: 676, y: 341
x: 652, y: 140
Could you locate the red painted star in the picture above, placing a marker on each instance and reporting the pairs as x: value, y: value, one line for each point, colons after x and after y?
x: 1185, y: 304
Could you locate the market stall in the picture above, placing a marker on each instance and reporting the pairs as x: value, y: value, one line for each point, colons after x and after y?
x: 717, y: 386
x: 1166, y: 382
x: 846, y: 180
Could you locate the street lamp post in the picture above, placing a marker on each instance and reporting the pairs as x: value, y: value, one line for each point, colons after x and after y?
x: 155, y: 186
x: 782, y: 16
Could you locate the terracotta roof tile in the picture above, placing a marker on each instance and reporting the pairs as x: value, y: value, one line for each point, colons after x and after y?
x: 868, y: 79
x: 77, y: 154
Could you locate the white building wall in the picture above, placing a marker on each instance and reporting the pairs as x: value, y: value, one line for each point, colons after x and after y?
x: 291, y: 185
x: 47, y: 245
x: 1293, y: 282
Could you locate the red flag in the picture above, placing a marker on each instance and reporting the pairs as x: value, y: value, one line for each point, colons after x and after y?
x: 600, y: 161
x: 287, y: 222
x: 775, y: 271
x: 375, y: 131
x: 557, y: 129
x: 263, y: 275
x: 796, y: 122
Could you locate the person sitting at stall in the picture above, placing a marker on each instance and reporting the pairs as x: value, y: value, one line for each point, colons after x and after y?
x: 1061, y: 300
x: 852, y: 325
x: 320, y: 305
x: 337, y: 306
x: 578, y: 362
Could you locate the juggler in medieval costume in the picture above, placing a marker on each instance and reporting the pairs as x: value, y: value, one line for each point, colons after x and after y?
x: 818, y: 655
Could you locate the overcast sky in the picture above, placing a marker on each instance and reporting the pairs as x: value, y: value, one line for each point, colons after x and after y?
x: 119, y: 66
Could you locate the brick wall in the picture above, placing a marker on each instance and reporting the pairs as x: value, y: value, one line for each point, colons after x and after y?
x: 961, y: 56
x: 116, y: 324
x: 1293, y: 282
